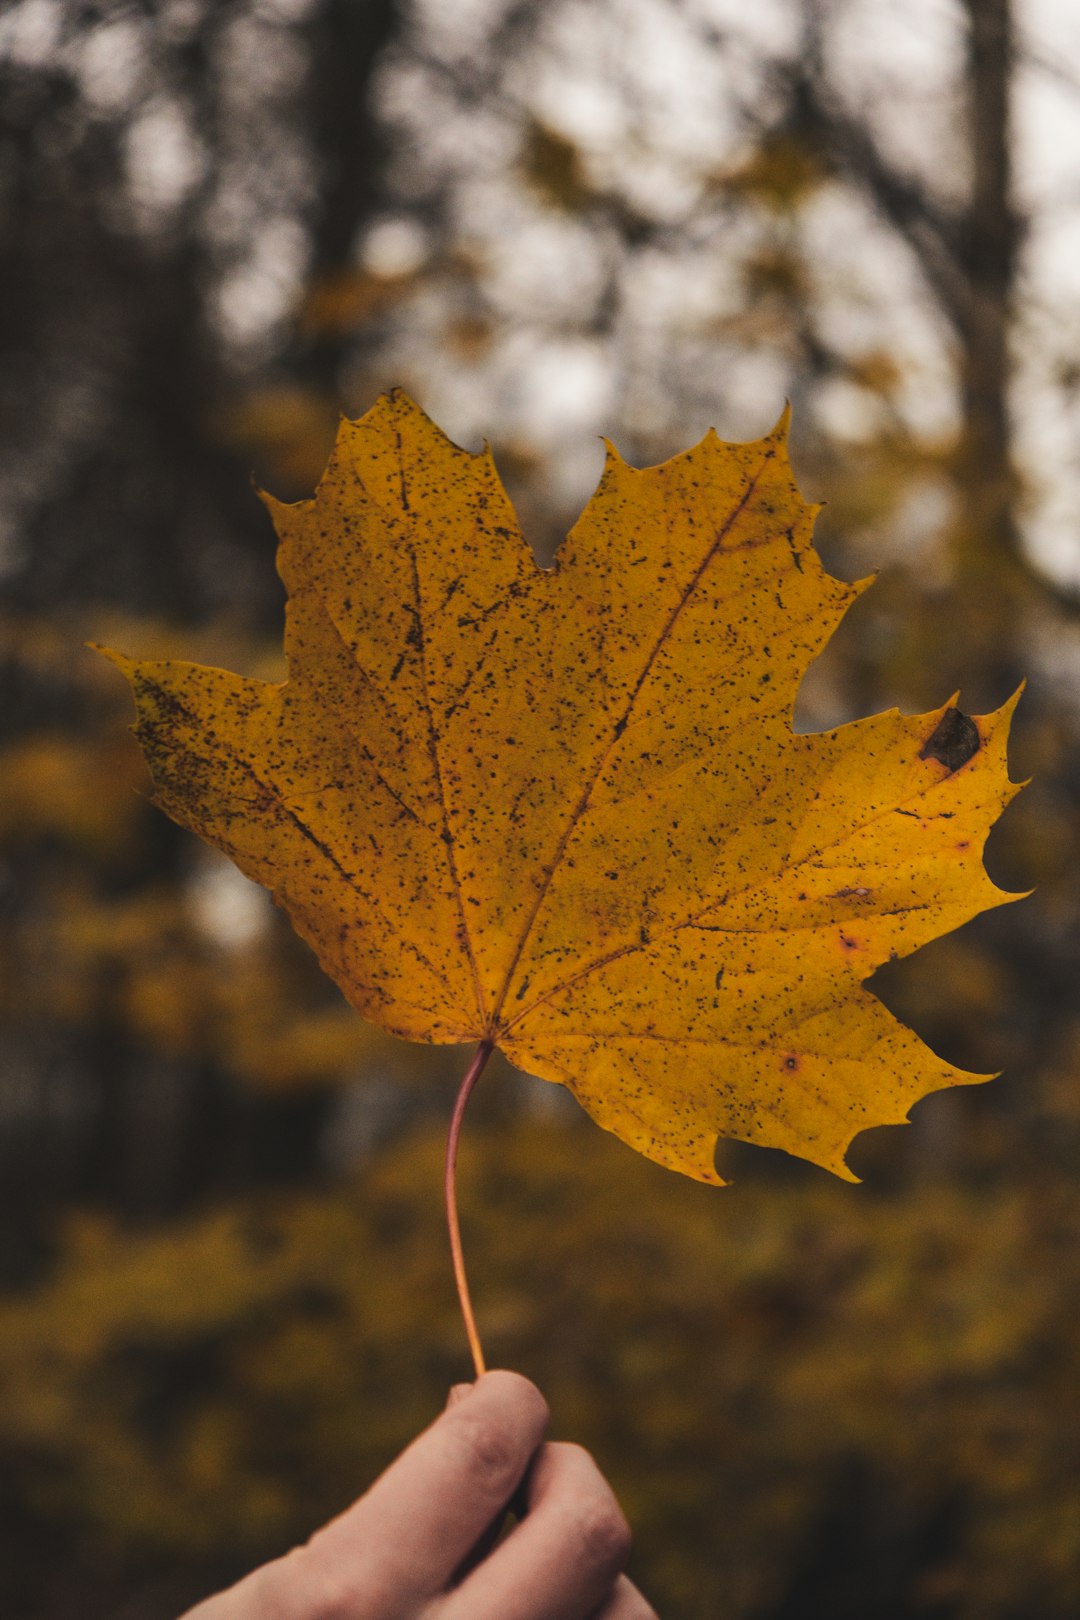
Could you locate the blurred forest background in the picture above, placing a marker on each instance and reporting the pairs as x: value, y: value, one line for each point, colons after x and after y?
x: 225, y: 1299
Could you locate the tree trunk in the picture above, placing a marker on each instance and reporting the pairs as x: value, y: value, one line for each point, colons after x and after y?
x: 988, y: 248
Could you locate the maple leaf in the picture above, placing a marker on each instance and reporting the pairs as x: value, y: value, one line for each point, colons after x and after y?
x: 563, y: 811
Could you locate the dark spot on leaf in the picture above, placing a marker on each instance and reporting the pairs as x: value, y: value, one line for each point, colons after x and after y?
x: 953, y: 741
x: 791, y: 1063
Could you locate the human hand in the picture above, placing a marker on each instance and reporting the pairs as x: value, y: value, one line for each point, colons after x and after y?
x: 421, y: 1543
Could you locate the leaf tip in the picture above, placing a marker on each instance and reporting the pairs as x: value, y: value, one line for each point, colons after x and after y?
x: 121, y: 660
x: 277, y: 509
x: 395, y: 401
x: 966, y: 1077
x: 1008, y: 708
x: 782, y: 429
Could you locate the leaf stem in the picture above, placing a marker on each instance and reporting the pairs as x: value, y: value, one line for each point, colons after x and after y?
x: 472, y: 1075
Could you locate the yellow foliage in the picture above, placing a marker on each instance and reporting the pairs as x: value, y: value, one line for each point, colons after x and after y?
x: 80, y: 790
x: 878, y: 371
x: 289, y: 429
x: 213, y: 1391
x: 553, y: 165
x: 341, y: 300
x: 180, y: 996
x: 780, y: 174
x: 564, y: 810
x: 775, y: 272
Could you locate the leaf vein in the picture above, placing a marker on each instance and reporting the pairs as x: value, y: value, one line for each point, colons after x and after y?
x: 585, y: 797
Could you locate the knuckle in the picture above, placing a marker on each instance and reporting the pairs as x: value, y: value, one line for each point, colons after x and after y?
x: 490, y: 1463
x: 311, y: 1583
x: 604, y: 1535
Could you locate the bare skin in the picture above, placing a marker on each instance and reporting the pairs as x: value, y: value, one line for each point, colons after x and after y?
x: 422, y: 1543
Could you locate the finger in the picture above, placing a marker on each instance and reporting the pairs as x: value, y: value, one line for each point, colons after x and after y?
x: 402, y: 1541
x: 563, y: 1559
x: 625, y: 1603
x: 419, y: 1520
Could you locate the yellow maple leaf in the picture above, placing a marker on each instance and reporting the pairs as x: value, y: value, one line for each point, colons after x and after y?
x: 563, y: 811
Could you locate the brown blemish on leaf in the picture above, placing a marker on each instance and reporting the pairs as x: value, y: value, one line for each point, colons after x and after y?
x: 564, y: 809
x: 954, y: 740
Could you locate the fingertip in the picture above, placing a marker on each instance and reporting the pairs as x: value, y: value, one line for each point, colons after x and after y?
x: 458, y: 1393
x: 516, y: 1390
x: 505, y: 1379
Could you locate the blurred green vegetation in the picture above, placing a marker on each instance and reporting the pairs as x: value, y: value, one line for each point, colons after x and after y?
x: 225, y: 1297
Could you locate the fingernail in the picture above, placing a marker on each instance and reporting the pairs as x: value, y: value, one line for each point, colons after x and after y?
x: 458, y: 1393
